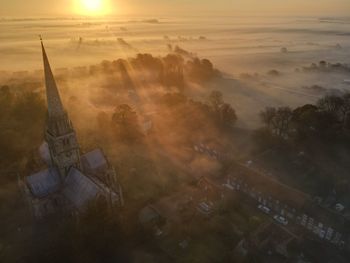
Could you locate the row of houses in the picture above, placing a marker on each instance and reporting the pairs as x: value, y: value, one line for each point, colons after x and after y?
x: 213, y: 151
x: 295, y: 206
x: 283, y: 200
x: 200, y: 199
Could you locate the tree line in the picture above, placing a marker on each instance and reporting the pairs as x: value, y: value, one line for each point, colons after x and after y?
x: 22, y: 117
x: 328, y: 118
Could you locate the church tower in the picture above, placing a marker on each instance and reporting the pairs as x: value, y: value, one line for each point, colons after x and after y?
x: 60, y: 134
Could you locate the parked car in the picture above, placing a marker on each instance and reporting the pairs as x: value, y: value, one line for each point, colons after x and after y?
x: 265, y: 209
x: 205, y: 208
x: 280, y: 219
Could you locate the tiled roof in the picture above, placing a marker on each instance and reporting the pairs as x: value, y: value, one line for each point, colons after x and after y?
x: 79, y: 189
x: 44, y: 182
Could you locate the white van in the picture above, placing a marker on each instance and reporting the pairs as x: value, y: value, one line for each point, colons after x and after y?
x: 280, y: 219
x: 265, y: 209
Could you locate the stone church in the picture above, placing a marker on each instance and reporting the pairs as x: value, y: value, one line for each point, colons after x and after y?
x: 72, y: 179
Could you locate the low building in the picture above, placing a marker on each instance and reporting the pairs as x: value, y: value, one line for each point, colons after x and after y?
x: 269, y: 243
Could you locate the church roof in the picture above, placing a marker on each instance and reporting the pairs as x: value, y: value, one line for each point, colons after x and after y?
x: 79, y: 189
x: 94, y: 160
x: 54, y: 104
x: 44, y: 153
x: 44, y: 182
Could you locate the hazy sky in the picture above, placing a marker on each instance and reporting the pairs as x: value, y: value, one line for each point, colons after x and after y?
x: 168, y: 7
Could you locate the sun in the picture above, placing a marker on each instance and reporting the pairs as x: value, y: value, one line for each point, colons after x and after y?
x: 92, y: 7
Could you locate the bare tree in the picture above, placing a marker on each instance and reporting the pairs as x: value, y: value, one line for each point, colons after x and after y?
x: 268, y: 115
x: 331, y: 103
x: 277, y: 120
x: 282, y: 120
x: 339, y: 106
x: 345, y: 108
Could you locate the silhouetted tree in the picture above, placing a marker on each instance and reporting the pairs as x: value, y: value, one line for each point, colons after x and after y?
x: 6, y: 100
x: 216, y: 100
x: 282, y: 120
x: 173, y: 74
x: 331, y: 103
x: 222, y: 112
x: 305, y: 120
x: 22, y: 117
x: 126, y: 123
x: 345, y: 108
x: 267, y: 116
x: 228, y: 114
x: 277, y: 120
x: 124, y: 115
x: 200, y: 70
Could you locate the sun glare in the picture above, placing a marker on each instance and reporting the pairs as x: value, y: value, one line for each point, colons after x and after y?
x: 92, y: 7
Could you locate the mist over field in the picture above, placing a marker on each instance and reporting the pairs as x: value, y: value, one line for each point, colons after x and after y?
x: 216, y: 131
x: 247, y: 50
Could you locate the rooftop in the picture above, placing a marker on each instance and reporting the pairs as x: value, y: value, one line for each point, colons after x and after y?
x: 79, y: 189
x: 44, y: 182
x: 95, y: 159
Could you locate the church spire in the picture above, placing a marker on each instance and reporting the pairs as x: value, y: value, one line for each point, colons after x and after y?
x: 60, y: 135
x: 54, y: 104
